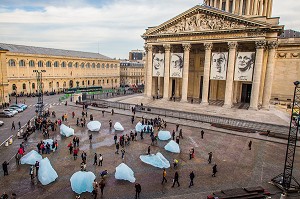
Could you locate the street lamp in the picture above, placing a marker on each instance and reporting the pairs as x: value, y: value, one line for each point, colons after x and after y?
x: 16, y: 96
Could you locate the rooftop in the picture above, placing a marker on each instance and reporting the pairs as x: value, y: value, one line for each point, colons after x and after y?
x: 289, y: 34
x: 50, y: 51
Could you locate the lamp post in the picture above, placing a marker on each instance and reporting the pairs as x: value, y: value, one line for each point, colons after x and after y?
x: 30, y: 87
x: 16, y: 96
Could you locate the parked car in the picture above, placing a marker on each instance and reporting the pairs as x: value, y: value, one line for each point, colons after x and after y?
x: 11, y: 110
x: 24, y: 106
x: 1, y: 123
x: 17, y: 106
x: 6, y: 114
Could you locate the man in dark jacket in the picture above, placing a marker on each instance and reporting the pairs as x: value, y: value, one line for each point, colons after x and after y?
x: 4, y: 166
x: 192, y: 176
x: 214, y: 170
x: 176, y: 178
x: 138, y: 190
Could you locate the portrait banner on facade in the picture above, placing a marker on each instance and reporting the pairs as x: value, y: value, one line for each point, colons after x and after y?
x: 158, y: 64
x: 218, y: 65
x: 244, y: 66
x: 176, y: 65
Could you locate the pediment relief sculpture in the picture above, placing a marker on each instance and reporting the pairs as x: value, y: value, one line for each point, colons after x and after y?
x: 202, y: 22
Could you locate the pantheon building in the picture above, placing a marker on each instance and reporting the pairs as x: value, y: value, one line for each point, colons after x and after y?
x: 224, y: 50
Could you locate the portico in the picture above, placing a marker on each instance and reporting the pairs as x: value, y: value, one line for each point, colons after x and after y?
x: 203, y: 51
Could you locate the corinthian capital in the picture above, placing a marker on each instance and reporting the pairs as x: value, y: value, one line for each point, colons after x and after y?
x: 232, y: 45
x: 272, y: 44
x: 148, y: 47
x: 167, y: 47
x: 260, y: 44
x: 186, y: 47
x: 208, y: 46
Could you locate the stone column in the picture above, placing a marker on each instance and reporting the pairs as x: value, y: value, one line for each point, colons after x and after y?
x: 215, y: 3
x: 149, y: 71
x: 185, y: 74
x: 272, y: 45
x: 167, y: 71
x: 260, y: 45
x: 208, y: 47
x: 241, y: 7
x: 255, y: 7
x: 220, y: 4
x: 260, y: 7
x: 233, y: 6
x: 227, y: 6
x: 269, y: 14
x: 248, y: 7
x: 230, y: 70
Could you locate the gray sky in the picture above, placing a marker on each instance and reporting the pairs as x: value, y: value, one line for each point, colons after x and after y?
x: 112, y: 26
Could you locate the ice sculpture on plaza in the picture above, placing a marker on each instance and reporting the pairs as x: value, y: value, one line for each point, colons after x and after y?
x: 157, y: 160
x: 66, y: 131
x: 138, y: 127
x: 82, y: 181
x: 172, y: 147
x: 94, y: 126
x: 118, y: 127
x: 123, y: 172
x: 50, y: 141
x: 46, y: 173
x: 31, y: 158
x: 164, y: 135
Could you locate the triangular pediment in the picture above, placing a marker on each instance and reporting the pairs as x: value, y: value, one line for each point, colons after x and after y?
x: 204, y: 19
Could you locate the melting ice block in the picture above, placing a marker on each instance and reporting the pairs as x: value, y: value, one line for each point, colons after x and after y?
x: 164, y: 135
x: 172, y: 147
x: 157, y: 160
x: 82, y: 181
x: 118, y: 127
x: 31, y: 158
x: 94, y: 126
x: 66, y: 131
x: 46, y: 173
x: 123, y: 172
x: 138, y: 127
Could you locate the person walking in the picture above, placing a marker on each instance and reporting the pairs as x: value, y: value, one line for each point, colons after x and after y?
x: 180, y: 134
x: 112, y: 111
x: 75, y: 153
x: 192, y: 176
x: 90, y: 138
x: 202, y: 134
x: 173, y: 135
x: 13, y: 125
x: 176, y: 178
x: 132, y: 119
x: 95, y: 159
x: 95, y: 189
x: 177, y: 127
x: 31, y: 172
x: 138, y: 190
x: 117, y: 148
x: 102, y: 113
x: 4, y: 167
x: 123, y: 153
x: 18, y: 158
x: 209, y: 157
x: 100, y: 160
x: 110, y: 123
x: 115, y: 138
x: 191, y: 153
x: 37, y: 166
x: 73, y: 114
x: 164, y: 177
x: 149, y: 149
x: 250, y: 144
x: 102, y: 185
x: 19, y: 124
x: 83, y: 156
x: 214, y: 170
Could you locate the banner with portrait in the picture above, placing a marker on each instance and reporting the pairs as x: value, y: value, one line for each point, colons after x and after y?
x: 218, y: 67
x: 244, y: 66
x: 158, y: 64
x: 176, y: 65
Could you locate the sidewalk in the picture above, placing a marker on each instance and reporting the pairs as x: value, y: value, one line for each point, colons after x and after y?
x: 189, y: 123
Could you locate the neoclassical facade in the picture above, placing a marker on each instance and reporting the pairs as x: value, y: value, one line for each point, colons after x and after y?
x: 132, y: 72
x: 226, y: 50
x: 63, y: 69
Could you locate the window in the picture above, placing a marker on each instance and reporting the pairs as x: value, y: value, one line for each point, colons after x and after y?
x: 65, y: 84
x: 48, y: 64
x: 82, y: 83
x: 88, y: 82
x: 50, y: 84
x: 102, y: 65
x: 88, y: 65
x: 24, y: 86
x: 11, y: 62
x: 93, y: 82
x: 111, y: 65
x: 98, y: 65
x: 116, y: 80
x: 56, y: 64
x: 82, y: 65
x: 93, y: 65
x: 99, y: 82
x: 40, y: 64
x: 76, y: 65
x: 33, y: 85
x: 107, y: 81
x: 31, y: 63
x: 107, y: 65
x: 63, y: 64
x: 70, y: 64
x: 57, y: 84
x: 116, y: 65
x: 22, y: 63
x: 14, y: 87
x: 102, y: 81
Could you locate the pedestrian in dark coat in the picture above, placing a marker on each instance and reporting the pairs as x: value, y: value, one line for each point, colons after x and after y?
x: 209, y: 157
x: 214, y: 170
x: 4, y: 167
x: 95, y: 159
x: 138, y: 190
x: 176, y: 178
x: 250, y: 144
x: 149, y: 149
x: 102, y: 185
x: 117, y: 148
x: 173, y: 135
x: 192, y: 176
x: 202, y: 133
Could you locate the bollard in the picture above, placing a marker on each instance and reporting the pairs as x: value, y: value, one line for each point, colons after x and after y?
x: 6, y: 143
x: 10, y: 140
x: 283, y: 196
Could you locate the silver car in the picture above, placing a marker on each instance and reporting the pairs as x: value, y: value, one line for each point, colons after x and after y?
x: 6, y: 114
x: 11, y: 110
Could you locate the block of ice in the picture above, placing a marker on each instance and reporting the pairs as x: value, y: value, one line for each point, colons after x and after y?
x: 82, y: 181
x: 46, y: 173
x: 164, y: 135
x: 94, y: 126
x: 157, y: 160
x: 123, y: 172
x: 118, y: 127
x: 50, y: 141
x: 31, y: 158
x: 138, y: 127
x: 66, y: 131
x: 172, y: 147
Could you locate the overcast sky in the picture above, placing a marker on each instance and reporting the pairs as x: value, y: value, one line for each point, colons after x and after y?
x: 114, y: 27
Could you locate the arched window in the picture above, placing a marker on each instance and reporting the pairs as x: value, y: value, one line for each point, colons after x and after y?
x: 65, y: 84
x: 98, y: 65
x: 107, y: 81
x: 93, y: 82
x: 88, y: 83
x: 63, y: 64
x: 103, y: 81
x: 24, y: 86
x: 116, y: 80
x: 56, y: 64
x: 103, y: 65
x: 116, y: 65
x: 111, y: 65
x: 57, y: 84
x: 48, y: 64
x: 33, y: 85
x: 99, y: 82
x: 14, y: 87
x: 70, y: 64
x: 107, y: 65
x: 83, y: 83
x: 87, y: 65
x: 22, y: 63
x: 82, y: 65
x: 31, y: 63
x: 76, y: 65
x: 50, y: 84
x: 93, y: 65
x: 40, y: 64
x: 11, y: 62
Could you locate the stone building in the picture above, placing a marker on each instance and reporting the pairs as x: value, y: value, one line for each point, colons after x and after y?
x: 64, y: 69
x: 223, y: 50
x: 132, y: 72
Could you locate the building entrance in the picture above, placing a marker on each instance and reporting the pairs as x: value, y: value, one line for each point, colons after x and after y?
x: 246, y: 93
